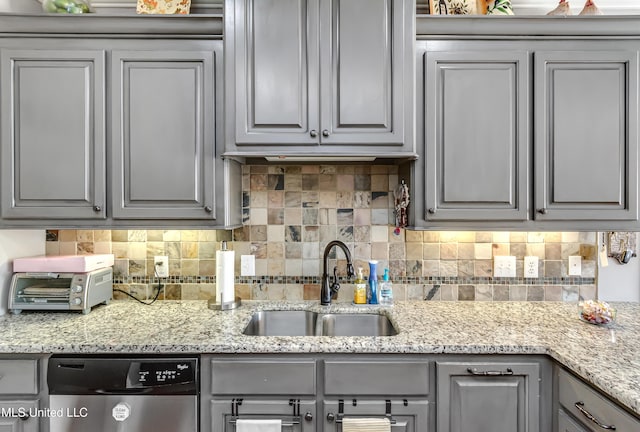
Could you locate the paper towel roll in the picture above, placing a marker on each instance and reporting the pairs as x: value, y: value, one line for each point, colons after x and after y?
x: 225, y: 275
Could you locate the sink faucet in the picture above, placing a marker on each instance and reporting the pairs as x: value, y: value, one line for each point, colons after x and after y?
x: 328, y: 290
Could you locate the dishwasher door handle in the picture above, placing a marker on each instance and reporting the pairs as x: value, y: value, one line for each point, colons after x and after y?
x: 124, y: 392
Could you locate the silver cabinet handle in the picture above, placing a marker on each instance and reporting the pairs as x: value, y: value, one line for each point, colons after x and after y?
x: 432, y: 210
x: 308, y: 416
x: 325, y: 133
x: 24, y: 417
x: 97, y: 208
x: 331, y: 417
x: 313, y: 133
x: 542, y: 211
x: 208, y: 209
x: 587, y: 414
x: 474, y: 371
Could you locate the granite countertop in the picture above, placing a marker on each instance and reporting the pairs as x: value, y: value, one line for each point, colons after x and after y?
x: 607, y: 357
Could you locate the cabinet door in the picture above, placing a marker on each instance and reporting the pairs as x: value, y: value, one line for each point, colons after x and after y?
x: 362, y: 63
x: 19, y: 416
x: 480, y: 397
x: 406, y: 416
x: 586, y: 141
x: 163, y: 134
x: 223, y: 416
x: 276, y: 71
x: 53, y: 136
x: 476, y: 135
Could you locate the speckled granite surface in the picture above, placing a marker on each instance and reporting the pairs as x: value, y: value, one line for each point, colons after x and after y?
x: 607, y: 357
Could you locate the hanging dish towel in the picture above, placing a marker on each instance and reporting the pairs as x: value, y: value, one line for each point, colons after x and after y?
x: 258, y: 425
x: 354, y: 424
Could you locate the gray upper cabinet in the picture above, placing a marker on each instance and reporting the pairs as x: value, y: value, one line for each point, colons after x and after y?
x: 118, y: 126
x: 319, y: 77
x: 163, y: 134
x: 586, y: 142
x: 52, y: 132
x: 476, y: 135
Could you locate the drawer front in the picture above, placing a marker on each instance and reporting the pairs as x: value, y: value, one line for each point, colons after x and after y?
x: 263, y: 377
x: 18, y: 376
x: 566, y: 423
x: 19, y: 416
x: 574, y: 394
x: 376, y: 378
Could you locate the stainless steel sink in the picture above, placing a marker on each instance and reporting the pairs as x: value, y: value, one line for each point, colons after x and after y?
x: 347, y: 324
x: 282, y: 323
x: 306, y: 323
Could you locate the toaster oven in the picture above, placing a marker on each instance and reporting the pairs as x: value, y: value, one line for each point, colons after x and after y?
x: 60, y: 291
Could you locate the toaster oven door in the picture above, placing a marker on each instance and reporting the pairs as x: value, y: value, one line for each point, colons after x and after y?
x: 37, y: 292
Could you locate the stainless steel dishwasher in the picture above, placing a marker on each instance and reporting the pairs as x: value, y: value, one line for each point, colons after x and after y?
x: 123, y: 394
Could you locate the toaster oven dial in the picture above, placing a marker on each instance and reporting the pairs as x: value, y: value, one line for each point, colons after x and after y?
x: 77, y: 301
x: 77, y: 288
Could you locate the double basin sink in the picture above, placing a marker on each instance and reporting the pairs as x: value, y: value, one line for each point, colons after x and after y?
x: 308, y: 323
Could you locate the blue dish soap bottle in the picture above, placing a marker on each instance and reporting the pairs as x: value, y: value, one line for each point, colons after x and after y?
x: 373, y: 282
x: 386, y: 291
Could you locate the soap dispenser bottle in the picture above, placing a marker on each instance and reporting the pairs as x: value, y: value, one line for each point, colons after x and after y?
x: 360, y: 289
x: 372, y: 294
x: 386, y: 290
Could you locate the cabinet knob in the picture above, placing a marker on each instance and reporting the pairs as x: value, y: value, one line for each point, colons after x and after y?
x: 308, y: 416
x: 325, y: 133
x: 97, y: 209
x: 313, y: 133
x: 432, y: 210
x: 542, y: 211
x: 331, y: 417
x: 208, y: 209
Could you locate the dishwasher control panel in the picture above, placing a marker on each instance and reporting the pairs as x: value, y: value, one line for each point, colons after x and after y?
x: 151, y: 374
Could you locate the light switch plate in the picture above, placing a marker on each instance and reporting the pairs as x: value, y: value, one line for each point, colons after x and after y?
x: 575, y: 265
x: 504, y: 266
x: 247, y: 265
x: 531, y: 267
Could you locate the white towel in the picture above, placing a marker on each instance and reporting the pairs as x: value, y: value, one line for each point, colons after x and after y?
x: 263, y: 425
x: 355, y: 424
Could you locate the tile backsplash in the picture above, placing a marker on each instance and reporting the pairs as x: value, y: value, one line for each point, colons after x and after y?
x: 291, y: 212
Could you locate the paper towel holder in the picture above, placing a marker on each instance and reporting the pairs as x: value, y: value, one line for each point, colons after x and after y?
x: 214, y: 305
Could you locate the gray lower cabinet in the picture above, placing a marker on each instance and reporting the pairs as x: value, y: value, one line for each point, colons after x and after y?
x: 20, y: 394
x: 332, y: 76
x: 581, y: 408
x: 52, y: 138
x: 258, y: 387
x: 586, y: 140
x: 164, y: 133
x: 488, y: 396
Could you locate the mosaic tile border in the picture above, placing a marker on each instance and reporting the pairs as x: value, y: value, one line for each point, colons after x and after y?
x: 307, y: 280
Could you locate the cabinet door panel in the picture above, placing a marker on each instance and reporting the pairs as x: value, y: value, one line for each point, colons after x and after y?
x: 223, y: 420
x: 467, y: 402
x: 53, y: 141
x: 361, y: 70
x: 164, y: 134
x: 586, y: 135
x: 276, y: 71
x: 409, y: 417
x: 476, y: 135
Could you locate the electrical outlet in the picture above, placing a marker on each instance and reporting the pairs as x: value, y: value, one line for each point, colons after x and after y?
x: 161, y: 265
x: 504, y: 266
x: 247, y: 265
x: 575, y: 265
x: 531, y: 266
